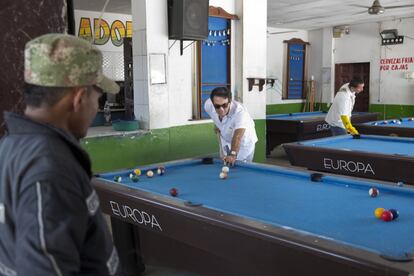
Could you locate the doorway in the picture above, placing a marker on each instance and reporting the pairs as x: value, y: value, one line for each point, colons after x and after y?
x: 344, y: 73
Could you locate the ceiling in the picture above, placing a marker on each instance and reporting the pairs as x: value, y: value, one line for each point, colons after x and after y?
x: 294, y: 14
x: 115, y: 6
x: 314, y: 14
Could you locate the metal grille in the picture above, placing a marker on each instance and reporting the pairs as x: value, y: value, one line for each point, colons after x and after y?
x: 113, y: 65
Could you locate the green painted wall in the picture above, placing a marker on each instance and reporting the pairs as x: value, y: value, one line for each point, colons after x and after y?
x: 388, y: 111
x: 284, y: 108
x: 292, y: 108
x: 128, y: 151
x: 260, y: 151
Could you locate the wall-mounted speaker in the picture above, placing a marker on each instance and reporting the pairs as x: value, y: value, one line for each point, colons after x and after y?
x: 188, y: 19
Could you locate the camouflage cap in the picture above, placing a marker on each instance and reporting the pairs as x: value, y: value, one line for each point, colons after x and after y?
x: 60, y: 60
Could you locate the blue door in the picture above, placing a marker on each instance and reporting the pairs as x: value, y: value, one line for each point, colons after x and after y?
x: 296, y: 71
x: 215, y: 59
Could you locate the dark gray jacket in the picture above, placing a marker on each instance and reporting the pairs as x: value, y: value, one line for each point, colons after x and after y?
x: 50, y: 220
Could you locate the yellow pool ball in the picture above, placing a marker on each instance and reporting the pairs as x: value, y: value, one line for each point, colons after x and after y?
x: 378, y: 212
x: 137, y: 172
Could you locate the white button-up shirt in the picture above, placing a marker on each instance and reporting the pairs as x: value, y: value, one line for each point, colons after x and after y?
x: 236, y: 118
x: 343, y: 104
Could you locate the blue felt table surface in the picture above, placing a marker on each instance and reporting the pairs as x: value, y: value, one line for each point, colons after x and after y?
x: 368, y: 143
x: 405, y: 122
x: 337, y: 208
x: 303, y: 116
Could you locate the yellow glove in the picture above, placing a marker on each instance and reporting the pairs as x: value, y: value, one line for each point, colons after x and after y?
x: 347, y: 123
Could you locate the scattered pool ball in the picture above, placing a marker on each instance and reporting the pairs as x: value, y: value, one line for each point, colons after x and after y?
x: 386, y: 216
x: 410, y: 119
x: 150, y: 173
x: 373, y: 192
x: 395, y: 213
x: 135, y: 178
x: 375, y: 124
x: 398, y: 122
x: 173, y: 192
x: 378, y: 212
x: 161, y: 170
x: 225, y: 169
x: 385, y: 122
x: 223, y: 175
x: 394, y: 121
x: 400, y: 183
x: 117, y: 178
x: 137, y: 172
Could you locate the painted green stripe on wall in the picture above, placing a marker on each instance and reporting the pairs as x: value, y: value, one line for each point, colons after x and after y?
x: 389, y: 111
x: 260, y: 150
x: 161, y: 145
x: 292, y: 108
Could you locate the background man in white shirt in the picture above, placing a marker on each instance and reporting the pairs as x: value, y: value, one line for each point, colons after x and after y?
x: 343, y: 104
x: 234, y: 125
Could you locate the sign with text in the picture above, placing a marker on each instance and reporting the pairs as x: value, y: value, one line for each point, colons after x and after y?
x: 394, y: 64
x: 107, y: 33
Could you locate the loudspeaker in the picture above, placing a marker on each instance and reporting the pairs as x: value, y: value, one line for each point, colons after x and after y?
x: 188, y: 19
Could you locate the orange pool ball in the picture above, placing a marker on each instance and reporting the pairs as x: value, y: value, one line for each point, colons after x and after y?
x: 378, y: 212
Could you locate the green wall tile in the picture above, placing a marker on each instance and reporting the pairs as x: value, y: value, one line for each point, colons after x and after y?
x: 389, y: 111
x: 161, y: 145
x: 292, y: 108
x: 260, y: 150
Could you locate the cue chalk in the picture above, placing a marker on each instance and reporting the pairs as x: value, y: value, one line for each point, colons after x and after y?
x: 316, y: 177
x: 207, y: 160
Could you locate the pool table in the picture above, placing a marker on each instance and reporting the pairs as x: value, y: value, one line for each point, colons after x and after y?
x: 378, y: 157
x: 285, y: 128
x: 261, y: 220
x: 403, y: 127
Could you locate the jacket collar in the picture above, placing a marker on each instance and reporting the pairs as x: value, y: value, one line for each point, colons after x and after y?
x: 18, y: 124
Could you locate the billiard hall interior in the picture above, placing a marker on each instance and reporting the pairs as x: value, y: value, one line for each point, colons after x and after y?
x: 284, y: 61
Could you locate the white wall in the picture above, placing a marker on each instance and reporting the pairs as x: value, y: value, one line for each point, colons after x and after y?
x: 254, y: 14
x: 394, y: 89
x: 276, y: 58
x: 315, y: 60
x: 363, y: 44
x: 170, y: 104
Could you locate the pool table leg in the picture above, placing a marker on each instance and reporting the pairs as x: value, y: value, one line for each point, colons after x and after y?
x: 126, y: 242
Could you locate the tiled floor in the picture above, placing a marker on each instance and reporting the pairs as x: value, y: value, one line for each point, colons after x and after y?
x: 278, y: 157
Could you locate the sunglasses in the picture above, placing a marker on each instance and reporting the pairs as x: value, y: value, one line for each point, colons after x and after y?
x: 217, y: 106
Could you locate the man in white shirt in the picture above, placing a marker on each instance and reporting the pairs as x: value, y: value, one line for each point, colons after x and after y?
x: 234, y: 125
x: 342, y: 105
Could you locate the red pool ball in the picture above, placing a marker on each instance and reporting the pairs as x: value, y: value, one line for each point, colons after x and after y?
x: 386, y: 216
x: 173, y: 192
